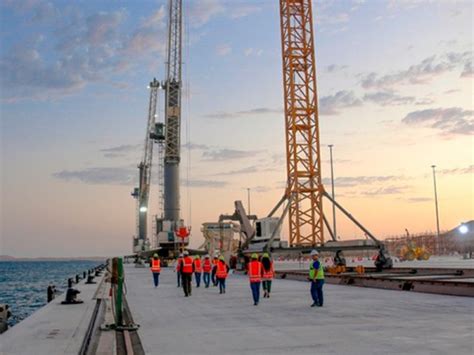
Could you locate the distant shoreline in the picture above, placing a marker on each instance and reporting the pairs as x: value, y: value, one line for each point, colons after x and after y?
x: 73, y: 258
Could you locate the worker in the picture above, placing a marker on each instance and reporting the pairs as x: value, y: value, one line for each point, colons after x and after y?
x: 267, y: 274
x: 206, y: 268
x: 316, y: 276
x: 177, y: 269
x: 215, y: 261
x: 222, y: 271
x: 155, y: 267
x: 197, y: 270
x: 186, y: 268
x: 255, y: 277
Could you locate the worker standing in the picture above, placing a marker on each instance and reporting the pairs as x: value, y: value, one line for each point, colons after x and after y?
x: 255, y: 277
x: 222, y: 271
x: 267, y: 275
x: 187, y: 268
x: 155, y: 267
x: 206, y: 268
x: 316, y: 275
x: 215, y: 261
x: 177, y: 269
x: 197, y: 270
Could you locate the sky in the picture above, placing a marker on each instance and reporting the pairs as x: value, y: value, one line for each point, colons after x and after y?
x: 395, y: 87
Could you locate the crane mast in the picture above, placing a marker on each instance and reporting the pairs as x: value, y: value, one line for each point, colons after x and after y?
x: 304, y: 187
x: 142, y: 192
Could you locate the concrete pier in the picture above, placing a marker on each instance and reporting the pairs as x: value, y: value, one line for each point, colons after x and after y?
x: 353, y: 320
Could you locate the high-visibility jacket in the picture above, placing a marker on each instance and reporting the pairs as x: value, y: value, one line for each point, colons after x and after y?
x: 221, y: 272
x: 267, y: 274
x: 155, y: 265
x: 178, y: 264
x: 319, y: 273
x: 206, y: 267
x: 187, y: 265
x: 255, y: 271
x: 197, y: 265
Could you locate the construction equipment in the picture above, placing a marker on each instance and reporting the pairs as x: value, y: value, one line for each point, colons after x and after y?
x: 141, y: 193
x: 411, y: 252
x: 172, y: 234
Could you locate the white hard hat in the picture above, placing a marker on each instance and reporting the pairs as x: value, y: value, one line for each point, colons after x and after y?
x: 207, y: 256
x: 181, y: 255
x: 314, y: 252
x: 186, y: 252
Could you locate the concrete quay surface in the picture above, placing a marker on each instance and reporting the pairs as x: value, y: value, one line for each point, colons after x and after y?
x: 353, y: 320
x: 54, y: 328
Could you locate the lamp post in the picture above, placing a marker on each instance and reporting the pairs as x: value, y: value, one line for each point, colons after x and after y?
x: 248, y: 200
x: 436, y: 207
x: 333, y: 195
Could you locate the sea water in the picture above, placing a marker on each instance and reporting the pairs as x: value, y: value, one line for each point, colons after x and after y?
x: 23, y: 284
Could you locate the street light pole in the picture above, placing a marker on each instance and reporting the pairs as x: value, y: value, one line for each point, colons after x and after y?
x: 248, y: 200
x: 333, y: 195
x: 436, y: 206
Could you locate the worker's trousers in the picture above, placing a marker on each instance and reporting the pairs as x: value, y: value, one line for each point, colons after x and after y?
x: 317, y: 292
x: 255, y: 286
x: 267, y: 285
x: 156, y: 278
x: 186, y: 280
x: 206, y: 278
x: 197, y: 275
x: 221, y: 283
x: 213, y: 274
x: 178, y: 274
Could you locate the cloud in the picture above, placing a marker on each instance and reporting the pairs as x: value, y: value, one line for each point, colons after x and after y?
x: 253, y: 51
x: 450, y: 121
x: 458, y: 171
x: 419, y: 199
x: 351, y: 181
x: 332, y: 104
x: 201, y: 12
x: 390, y: 190
x: 207, y: 183
x: 100, y: 176
x: 468, y: 70
x: 335, y: 68
x: 251, y: 112
x: 223, y: 49
x: 247, y: 170
x: 242, y: 10
x: 120, y: 151
x: 388, y: 98
x: 227, y: 154
x: 195, y: 146
x: 420, y: 73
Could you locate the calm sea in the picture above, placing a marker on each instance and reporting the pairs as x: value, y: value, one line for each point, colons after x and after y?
x: 23, y: 284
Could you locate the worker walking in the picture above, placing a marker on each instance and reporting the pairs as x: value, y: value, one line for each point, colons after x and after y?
x: 215, y: 261
x: 206, y: 268
x: 155, y: 267
x: 177, y: 269
x: 187, y: 268
x: 222, y: 271
x: 316, y: 275
x: 267, y: 275
x: 197, y: 270
x: 255, y: 277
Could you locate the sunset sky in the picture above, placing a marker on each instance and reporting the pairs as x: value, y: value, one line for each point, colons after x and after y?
x: 395, y: 85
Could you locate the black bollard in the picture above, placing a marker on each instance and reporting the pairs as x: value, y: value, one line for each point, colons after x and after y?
x: 69, y: 282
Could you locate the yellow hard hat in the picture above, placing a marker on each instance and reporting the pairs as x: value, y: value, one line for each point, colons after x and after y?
x: 266, y: 255
x: 254, y: 256
x: 222, y: 258
x: 155, y: 255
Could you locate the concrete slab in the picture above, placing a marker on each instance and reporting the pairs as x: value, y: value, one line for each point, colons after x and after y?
x: 54, y: 328
x: 353, y: 320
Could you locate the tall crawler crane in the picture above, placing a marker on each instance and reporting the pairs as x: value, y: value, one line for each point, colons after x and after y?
x: 170, y: 228
x: 142, y: 192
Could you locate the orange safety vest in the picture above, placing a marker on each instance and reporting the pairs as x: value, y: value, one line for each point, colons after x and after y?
x: 268, y: 275
x: 155, y: 265
x: 197, y: 265
x: 187, y: 265
x: 221, y: 272
x: 178, y: 264
x: 255, y: 271
x: 207, y: 265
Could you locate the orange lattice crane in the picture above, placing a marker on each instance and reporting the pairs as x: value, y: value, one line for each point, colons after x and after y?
x: 304, y: 187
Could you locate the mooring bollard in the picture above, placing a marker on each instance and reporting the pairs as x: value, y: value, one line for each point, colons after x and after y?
x: 69, y: 282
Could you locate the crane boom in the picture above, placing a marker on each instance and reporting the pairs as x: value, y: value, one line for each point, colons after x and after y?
x: 173, y: 112
x: 304, y: 185
x: 142, y: 193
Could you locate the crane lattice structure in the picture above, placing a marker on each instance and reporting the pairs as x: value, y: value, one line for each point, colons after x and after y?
x: 142, y: 193
x: 304, y: 187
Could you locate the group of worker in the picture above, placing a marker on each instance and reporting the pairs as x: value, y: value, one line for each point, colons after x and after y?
x: 260, y: 272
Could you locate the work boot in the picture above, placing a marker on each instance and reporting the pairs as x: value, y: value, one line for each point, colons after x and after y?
x: 314, y: 304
